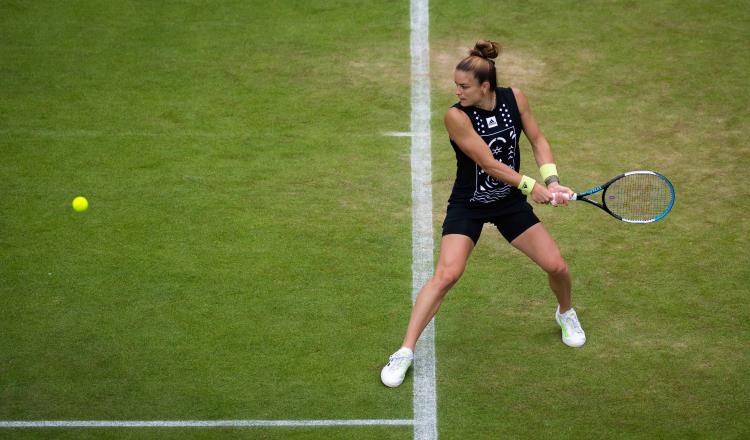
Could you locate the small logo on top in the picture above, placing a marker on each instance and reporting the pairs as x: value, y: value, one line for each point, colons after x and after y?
x: 491, y: 122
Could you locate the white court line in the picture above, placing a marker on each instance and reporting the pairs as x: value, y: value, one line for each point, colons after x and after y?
x: 405, y: 134
x: 198, y: 423
x: 424, y: 394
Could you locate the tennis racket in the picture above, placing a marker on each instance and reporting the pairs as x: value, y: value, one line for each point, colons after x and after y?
x: 633, y: 197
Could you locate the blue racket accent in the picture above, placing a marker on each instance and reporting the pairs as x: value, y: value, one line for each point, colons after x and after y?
x: 671, y: 201
x: 591, y: 191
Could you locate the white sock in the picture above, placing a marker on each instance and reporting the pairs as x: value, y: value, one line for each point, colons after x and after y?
x: 407, y: 351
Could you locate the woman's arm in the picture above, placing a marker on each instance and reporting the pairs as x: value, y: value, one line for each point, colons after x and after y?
x: 461, y: 131
x: 539, y: 145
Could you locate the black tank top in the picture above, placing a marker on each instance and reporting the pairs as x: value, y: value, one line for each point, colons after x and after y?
x: 500, y: 130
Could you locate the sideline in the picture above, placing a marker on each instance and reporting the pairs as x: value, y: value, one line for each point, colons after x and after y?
x: 425, y: 396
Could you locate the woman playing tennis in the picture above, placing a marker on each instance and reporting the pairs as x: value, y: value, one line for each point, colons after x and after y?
x: 484, y: 127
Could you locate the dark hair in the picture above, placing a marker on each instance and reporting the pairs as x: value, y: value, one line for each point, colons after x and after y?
x: 479, y: 62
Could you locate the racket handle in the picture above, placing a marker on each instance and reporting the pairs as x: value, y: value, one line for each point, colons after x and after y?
x: 563, y: 195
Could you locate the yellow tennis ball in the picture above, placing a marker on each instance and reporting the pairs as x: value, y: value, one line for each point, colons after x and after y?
x: 80, y: 204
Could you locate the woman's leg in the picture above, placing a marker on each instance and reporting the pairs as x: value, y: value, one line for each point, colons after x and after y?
x: 538, y: 245
x: 454, y: 253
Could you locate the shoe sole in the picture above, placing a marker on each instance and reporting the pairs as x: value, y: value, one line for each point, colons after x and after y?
x: 391, y: 384
x: 573, y: 344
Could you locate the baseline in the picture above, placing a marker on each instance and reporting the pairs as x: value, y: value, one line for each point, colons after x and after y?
x: 199, y: 423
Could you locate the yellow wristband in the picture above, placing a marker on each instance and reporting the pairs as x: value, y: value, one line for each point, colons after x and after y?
x: 526, y: 185
x: 547, y: 170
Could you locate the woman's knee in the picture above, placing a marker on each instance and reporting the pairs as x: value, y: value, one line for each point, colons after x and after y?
x: 447, y: 277
x: 556, y: 266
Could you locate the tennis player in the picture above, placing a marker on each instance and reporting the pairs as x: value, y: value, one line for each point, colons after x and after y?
x: 484, y: 127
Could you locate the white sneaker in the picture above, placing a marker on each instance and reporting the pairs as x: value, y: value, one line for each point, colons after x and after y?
x: 392, y: 375
x: 572, y: 332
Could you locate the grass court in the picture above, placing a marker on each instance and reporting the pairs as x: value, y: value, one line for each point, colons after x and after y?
x: 247, y: 251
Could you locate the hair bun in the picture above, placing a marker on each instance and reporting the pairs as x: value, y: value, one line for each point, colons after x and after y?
x: 485, y: 49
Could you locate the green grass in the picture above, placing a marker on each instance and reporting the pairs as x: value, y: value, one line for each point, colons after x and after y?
x: 230, y: 265
x: 616, y: 86
x: 247, y: 249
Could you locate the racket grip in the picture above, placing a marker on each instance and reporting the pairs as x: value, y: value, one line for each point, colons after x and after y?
x: 563, y: 195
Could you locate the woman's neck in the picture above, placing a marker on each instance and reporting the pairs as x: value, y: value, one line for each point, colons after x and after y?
x: 488, y: 103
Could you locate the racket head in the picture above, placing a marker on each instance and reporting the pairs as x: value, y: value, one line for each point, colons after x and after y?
x: 639, y: 196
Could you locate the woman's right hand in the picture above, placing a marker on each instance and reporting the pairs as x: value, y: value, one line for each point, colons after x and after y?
x: 540, y: 194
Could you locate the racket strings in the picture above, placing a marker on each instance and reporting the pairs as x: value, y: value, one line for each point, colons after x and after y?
x: 639, y: 197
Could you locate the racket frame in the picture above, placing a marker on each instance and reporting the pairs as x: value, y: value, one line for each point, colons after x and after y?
x: 603, y: 206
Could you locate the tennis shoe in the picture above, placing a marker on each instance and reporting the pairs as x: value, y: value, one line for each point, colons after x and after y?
x: 572, y: 332
x: 392, y: 375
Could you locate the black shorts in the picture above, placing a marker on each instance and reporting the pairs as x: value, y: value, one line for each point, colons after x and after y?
x: 511, y: 221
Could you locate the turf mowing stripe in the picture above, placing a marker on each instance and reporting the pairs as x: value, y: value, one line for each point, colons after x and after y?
x: 198, y: 423
x: 425, y: 399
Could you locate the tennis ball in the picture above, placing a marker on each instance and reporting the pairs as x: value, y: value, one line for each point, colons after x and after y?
x: 80, y: 204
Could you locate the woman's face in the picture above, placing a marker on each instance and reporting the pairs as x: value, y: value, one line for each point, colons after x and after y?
x: 468, y: 89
